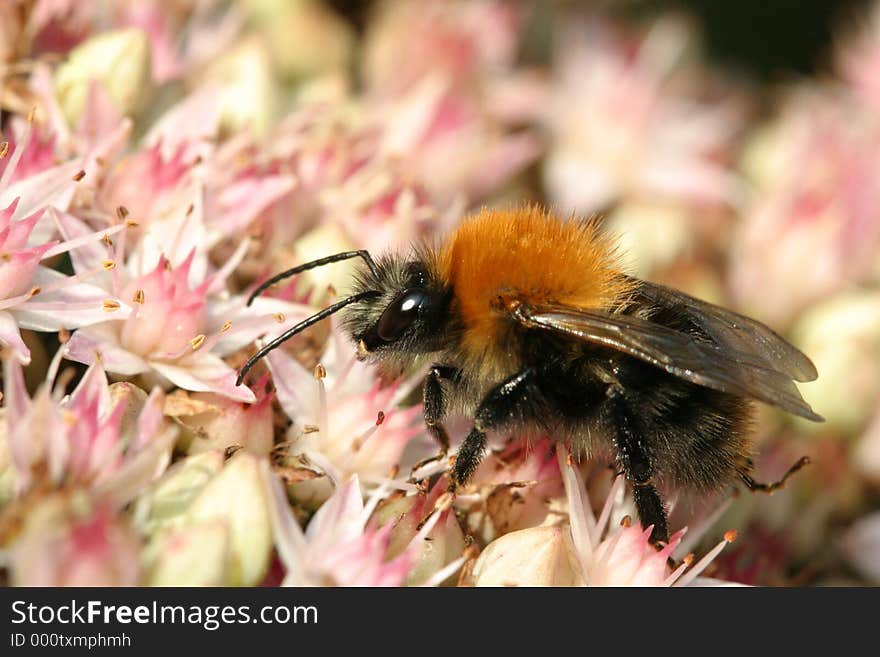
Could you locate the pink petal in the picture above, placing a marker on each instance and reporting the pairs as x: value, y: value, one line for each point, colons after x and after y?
x: 10, y: 336
x: 54, y: 186
x: 100, y: 116
x: 241, y: 202
x: 17, y: 274
x: 292, y: 381
x: 153, y: 19
x: 339, y: 518
x: 251, y: 322
x: 289, y: 537
x: 151, y: 419
x: 15, y: 394
x: 7, y: 213
x: 695, y: 181
x: 71, y: 306
x: 148, y: 455
x: 205, y: 372
x: 42, y: 83
x: 20, y: 231
x: 93, y: 388
x: 86, y: 257
x: 100, y: 341
x: 189, y: 123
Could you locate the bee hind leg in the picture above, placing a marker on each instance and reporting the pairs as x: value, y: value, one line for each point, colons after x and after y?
x: 636, y: 463
x: 758, y: 487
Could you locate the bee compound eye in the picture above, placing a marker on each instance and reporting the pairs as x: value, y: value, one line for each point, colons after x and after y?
x: 401, y: 314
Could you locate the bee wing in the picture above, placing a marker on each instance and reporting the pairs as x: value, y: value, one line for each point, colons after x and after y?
x: 741, y: 334
x: 701, y: 362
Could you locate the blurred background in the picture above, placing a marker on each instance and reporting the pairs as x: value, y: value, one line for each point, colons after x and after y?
x: 734, y: 149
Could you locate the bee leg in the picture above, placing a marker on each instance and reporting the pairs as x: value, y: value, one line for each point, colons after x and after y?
x: 635, y: 461
x: 507, y: 403
x: 435, y: 403
x: 758, y: 487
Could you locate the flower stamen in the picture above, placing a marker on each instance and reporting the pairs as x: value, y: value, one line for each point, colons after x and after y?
x: 693, y: 573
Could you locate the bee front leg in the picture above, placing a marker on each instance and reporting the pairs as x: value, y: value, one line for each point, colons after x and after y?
x: 506, y: 404
x: 635, y: 460
x: 434, y: 402
x: 434, y: 411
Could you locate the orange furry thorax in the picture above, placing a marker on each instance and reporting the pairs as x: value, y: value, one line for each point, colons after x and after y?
x: 530, y: 255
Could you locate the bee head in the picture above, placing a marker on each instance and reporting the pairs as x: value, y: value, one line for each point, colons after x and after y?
x: 407, y: 315
x: 397, y: 309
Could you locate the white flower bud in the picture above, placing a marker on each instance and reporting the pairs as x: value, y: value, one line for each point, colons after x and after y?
x: 539, y: 556
x: 842, y: 337
x: 247, y: 87
x: 119, y: 61
x: 237, y: 497
x: 166, y: 505
x: 192, y: 556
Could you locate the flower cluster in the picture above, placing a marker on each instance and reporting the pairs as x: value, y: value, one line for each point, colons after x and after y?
x: 159, y: 161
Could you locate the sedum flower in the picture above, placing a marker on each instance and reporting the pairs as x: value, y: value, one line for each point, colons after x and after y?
x: 207, y: 522
x: 450, y: 142
x: 325, y: 167
x: 71, y: 541
x: 58, y: 25
x: 33, y: 296
x: 621, y: 129
x: 811, y: 229
x: 440, y: 80
x: 339, y: 547
x: 165, y: 333
x: 82, y: 439
x: 29, y: 151
x: 142, y: 182
x: 588, y: 551
x: 158, y: 22
x: 464, y: 42
x: 538, y: 556
x: 119, y: 60
x: 181, y: 323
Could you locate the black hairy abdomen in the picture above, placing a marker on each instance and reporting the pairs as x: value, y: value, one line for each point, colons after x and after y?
x: 695, y: 437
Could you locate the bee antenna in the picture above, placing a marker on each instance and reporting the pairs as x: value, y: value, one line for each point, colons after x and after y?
x: 320, y: 262
x: 302, y: 326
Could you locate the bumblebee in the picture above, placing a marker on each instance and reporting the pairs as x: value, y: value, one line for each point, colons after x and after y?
x: 529, y: 323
